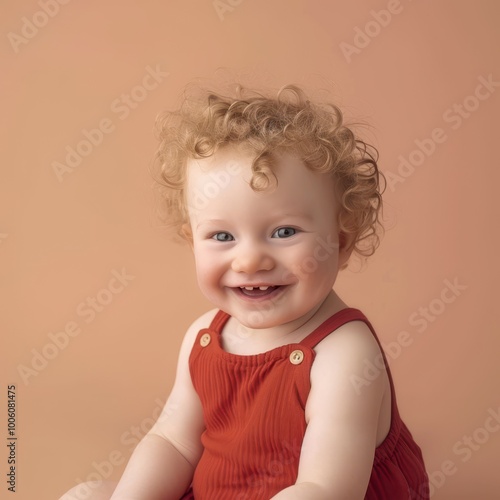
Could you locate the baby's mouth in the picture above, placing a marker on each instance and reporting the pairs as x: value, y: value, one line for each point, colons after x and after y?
x: 257, y: 291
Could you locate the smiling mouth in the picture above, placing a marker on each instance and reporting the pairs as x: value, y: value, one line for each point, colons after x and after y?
x: 262, y: 292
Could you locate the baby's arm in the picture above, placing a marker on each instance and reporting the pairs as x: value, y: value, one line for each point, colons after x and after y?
x: 163, y: 463
x: 337, y: 453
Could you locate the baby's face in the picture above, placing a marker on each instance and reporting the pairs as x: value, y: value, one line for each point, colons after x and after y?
x: 266, y: 258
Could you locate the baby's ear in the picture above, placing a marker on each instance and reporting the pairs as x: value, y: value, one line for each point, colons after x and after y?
x: 346, y: 246
x: 187, y: 233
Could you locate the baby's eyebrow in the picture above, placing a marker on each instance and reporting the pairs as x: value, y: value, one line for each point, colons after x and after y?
x: 273, y: 219
x: 307, y: 216
x: 284, y: 218
x: 210, y: 221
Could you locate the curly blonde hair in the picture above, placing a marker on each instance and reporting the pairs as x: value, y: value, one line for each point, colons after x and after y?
x: 269, y: 124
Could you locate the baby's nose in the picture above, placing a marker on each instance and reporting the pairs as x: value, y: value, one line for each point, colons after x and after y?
x: 250, y: 260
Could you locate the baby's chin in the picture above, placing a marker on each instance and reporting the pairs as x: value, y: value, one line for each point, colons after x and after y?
x: 260, y: 320
x: 256, y: 321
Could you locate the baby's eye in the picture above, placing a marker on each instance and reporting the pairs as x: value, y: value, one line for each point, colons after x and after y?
x: 222, y: 236
x: 284, y: 232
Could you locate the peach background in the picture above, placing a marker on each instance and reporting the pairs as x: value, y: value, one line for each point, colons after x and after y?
x: 60, y: 241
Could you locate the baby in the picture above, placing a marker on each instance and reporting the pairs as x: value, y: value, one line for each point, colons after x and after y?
x: 273, y: 195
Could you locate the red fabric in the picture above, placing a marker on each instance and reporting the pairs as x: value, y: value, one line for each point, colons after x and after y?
x: 254, y: 414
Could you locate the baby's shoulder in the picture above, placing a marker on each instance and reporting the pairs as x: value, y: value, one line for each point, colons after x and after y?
x: 202, y: 321
x: 191, y: 334
x: 351, y: 343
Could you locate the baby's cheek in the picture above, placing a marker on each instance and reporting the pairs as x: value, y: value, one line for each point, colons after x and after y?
x: 207, y: 285
x: 207, y: 271
x: 314, y: 263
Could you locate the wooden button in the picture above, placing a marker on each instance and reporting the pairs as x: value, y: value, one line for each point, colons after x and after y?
x: 296, y: 357
x: 205, y: 339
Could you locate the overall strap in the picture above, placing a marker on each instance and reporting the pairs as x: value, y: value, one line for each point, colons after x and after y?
x: 219, y: 321
x: 332, y: 323
x: 340, y: 318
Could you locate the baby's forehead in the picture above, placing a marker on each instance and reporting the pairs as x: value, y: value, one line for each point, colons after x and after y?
x: 223, y: 182
x: 233, y: 164
x: 214, y: 174
x: 238, y: 160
